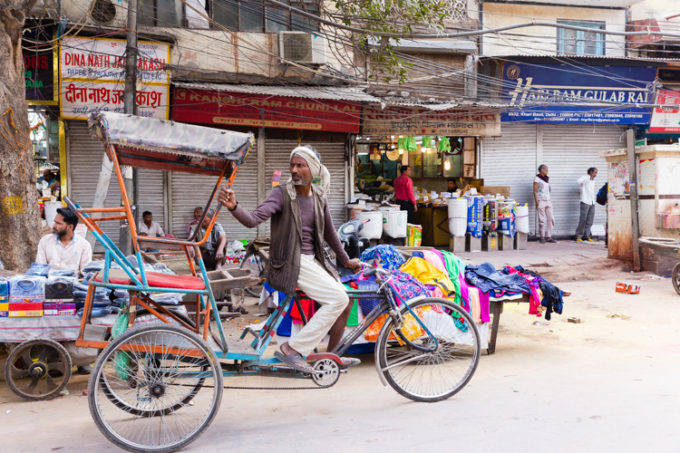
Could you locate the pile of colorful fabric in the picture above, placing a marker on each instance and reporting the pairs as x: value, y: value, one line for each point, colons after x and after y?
x: 438, y: 273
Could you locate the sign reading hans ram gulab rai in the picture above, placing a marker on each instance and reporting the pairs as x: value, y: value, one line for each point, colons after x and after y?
x: 571, y: 94
x: 92, y: 77
x: 258, y: 110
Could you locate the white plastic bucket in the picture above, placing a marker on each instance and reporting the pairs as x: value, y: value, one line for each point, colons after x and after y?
x: 395, y: 223
x: 372, y: 229
x: 458, y: 210
x: 522, y: 217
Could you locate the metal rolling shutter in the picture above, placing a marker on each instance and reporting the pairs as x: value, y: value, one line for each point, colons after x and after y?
x: 277, y: 157
x: 569, y: 150
x: 151, y: 188
x: 191, y: 190
x: 510, y: 160
x: 85, y: 159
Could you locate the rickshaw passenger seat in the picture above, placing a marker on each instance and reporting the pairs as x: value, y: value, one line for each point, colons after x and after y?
x: 155, y: 280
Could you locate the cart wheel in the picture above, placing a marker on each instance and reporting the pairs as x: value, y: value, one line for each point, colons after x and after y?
x: 155, y: 389
x: 326, y: 372
x: 675, y: 277
x: 38, y: 369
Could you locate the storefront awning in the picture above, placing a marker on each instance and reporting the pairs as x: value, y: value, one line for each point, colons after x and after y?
x: 333, y: 93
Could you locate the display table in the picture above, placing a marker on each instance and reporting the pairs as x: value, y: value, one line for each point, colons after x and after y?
x: 495, y: 309
x: 57, y: 328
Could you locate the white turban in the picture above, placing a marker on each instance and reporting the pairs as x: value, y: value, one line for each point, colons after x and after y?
x: 321, y: 178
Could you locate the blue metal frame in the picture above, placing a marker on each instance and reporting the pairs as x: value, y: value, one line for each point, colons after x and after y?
x: 143, y: 286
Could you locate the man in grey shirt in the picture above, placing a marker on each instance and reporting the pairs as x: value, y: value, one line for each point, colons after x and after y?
x: 300, y: 223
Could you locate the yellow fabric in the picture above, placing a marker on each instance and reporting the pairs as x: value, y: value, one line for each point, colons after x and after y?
x: 427, y: 274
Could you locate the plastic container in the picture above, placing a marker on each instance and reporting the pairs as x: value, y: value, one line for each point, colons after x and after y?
x: 395, y: 223
x: 522, y: 218
x: 372, y: 229
x: 457, y: 216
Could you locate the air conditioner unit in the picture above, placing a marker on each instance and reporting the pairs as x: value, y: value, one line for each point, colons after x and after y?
x: 301, y: 47
x: 111, y: 13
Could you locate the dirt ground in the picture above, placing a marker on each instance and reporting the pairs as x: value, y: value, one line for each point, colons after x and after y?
x: 602, y: 385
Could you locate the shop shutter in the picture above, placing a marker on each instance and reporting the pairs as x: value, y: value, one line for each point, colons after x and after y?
x: 510, y: 160
x: 85, y: 158
x: 277, y: 157
x: 191, y: 190
x: 151, y: 187
x: 84, y: 161
x: 569, y: 150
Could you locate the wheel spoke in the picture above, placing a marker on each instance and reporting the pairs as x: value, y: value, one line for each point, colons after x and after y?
x: 42, y: 357
x: 31, y: 385
x: 50, y: 383
x: 26, y: 357
x: 19, y: 374
x: 144, y: 400
x: 435, y: 375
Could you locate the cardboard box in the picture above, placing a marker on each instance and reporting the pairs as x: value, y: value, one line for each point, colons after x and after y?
x: 26, y: 314
x: 493, y: 190
x: 25, y: 306
x: 4, y: 310
x: 59, y: 309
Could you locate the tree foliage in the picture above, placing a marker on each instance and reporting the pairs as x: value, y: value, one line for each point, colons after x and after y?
x: 399, y: 17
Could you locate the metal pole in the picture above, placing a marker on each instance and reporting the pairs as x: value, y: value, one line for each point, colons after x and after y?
x: 130, y: 107
x: 632, y: 181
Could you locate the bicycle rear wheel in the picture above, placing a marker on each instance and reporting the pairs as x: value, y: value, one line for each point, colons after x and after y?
x: 429, y: 367
x: 155, y: 389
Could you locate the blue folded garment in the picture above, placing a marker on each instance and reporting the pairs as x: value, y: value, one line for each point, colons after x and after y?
x: 38, y: 270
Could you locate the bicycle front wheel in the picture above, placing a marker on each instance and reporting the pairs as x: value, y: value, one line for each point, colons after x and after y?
x: 155, y: 389
x: 433, y: 354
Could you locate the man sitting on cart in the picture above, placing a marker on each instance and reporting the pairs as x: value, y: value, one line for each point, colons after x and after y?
x: 300, y: 223
x: 63, y: 249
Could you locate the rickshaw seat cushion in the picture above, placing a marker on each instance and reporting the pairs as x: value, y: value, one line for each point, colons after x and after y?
x: 155, y: 279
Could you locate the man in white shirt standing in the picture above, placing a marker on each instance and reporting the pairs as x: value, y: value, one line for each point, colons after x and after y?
x: 63, y: 249
x: 147, y: 227
x: 587, y: 213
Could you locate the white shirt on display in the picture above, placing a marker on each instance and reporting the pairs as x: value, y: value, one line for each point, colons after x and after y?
x: 587, y: 185
x: 76, y: 255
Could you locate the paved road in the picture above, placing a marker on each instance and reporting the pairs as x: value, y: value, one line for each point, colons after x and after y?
x: 606, y: 384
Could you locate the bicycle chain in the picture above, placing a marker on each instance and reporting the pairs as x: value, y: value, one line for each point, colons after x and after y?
x: 273, y: 388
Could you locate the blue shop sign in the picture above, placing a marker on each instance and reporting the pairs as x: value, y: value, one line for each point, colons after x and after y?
x: 577, y: 94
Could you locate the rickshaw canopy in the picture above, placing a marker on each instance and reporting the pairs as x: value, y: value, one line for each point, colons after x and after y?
x: 167, y: 145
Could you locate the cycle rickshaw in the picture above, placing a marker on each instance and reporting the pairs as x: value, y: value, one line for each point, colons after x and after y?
x: 156, y: 388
